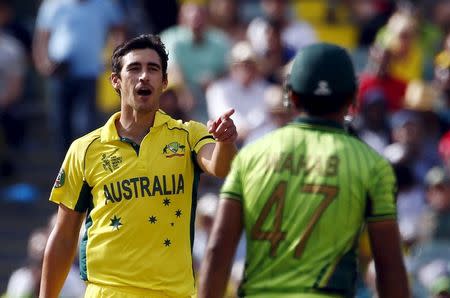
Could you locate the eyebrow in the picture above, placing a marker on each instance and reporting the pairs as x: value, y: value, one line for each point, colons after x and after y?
x: 153, y: 64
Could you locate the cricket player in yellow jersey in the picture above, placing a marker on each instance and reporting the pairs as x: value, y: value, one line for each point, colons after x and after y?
x: 134, y: 182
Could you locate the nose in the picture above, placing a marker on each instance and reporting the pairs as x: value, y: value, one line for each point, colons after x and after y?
x: 144, y: 76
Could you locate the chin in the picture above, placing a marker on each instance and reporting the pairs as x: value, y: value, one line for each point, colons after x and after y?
x: 145, y: 109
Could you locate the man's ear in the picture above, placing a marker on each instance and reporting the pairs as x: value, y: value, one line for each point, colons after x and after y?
x: 293, y: 98
x: 165, y: 83
x: 115, y: 80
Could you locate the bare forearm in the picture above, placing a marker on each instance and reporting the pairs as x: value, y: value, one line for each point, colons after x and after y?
x: 393, y: 282
x: 58, y: 259
x: 224, y: 238
x: 222, y: 157
x: 214, y: 275
x: 40, y: 53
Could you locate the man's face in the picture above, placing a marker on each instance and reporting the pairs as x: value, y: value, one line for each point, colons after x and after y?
x: 244, y: 72
x: 438, y: 197
x: 141, y: 80
x: 275, y: 9
x: 195, y: 18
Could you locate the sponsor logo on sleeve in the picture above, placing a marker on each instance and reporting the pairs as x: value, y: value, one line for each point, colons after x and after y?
x: 60, y: 179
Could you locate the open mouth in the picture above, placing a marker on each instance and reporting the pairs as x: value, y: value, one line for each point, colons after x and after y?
x: 144, y: 91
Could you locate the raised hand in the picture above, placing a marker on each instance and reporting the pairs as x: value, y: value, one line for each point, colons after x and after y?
x: 223, y: 128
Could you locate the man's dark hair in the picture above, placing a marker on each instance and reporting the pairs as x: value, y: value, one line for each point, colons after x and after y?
x: 316, y: 105
x: 144, y: 41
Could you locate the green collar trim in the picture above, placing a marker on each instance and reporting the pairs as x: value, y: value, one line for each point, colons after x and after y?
x: 315, y: 121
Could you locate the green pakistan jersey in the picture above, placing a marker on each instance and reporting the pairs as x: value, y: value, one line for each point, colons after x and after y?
x: 306, y: 191
x: 140, y: 203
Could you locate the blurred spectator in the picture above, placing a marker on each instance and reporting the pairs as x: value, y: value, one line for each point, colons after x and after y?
x: 206, y: 211
x: 422, y: 97
x: 400, y: 37
x: 444, y: 150
x: 12, y: 25
x: 438, y: 199
x: 242, y: 90
x: 224, y: 15
x: 411, y: 206
x: 294, y: 33
x: 441, y: 14
x: 198, y: 56
x: 372, y: 124
x: 68, y: 44
x: 370, y: 16
x: 169, y: 103
x: 442, y: 83
x: 428, y: 265
x: 278, y: 114
x: 410, y: 145
x: 13, y: 63
x: 377, y: 77
x: 273, y: 54
x: 25, y: 281
x: 435, y: 276
x: 149, y: 16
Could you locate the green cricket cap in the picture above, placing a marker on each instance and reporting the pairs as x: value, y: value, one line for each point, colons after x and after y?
x: 323, y: 70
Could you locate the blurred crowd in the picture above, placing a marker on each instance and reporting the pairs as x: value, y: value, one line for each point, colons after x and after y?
x: 235, y: 54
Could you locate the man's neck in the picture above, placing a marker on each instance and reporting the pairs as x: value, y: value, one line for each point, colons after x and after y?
x: 337, y: 117
x: 134, y: 125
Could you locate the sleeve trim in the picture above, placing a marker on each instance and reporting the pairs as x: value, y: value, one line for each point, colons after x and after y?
x: 203, y: 138
x: 230, y: 195
x: 382, y: 217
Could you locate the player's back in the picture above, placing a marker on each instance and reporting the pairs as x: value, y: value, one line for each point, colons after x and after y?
x: 307, y: 190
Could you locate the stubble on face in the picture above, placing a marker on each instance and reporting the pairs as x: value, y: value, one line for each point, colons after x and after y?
x: 141, y: 81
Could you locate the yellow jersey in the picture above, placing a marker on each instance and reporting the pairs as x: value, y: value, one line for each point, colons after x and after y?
x: 140, y: 202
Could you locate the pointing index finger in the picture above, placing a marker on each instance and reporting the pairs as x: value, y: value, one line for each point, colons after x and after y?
x: 227, y: 114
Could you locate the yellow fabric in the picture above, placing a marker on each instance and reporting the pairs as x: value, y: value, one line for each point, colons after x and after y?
x: 342, y: 32
x: 96, y: 291
x: 315, y: 11
x: 311, y: 11
x: 344, y: 35
x: 410, y: 67
x: 108, y: 100
x: 141, y: 204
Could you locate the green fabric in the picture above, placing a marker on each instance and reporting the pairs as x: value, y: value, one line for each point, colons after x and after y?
x: 310, y: 175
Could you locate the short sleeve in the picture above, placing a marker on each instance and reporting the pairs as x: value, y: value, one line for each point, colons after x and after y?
x: 232, y: 187
x: 198, y: 135
x: 70, y: 187
x: 381, y: 203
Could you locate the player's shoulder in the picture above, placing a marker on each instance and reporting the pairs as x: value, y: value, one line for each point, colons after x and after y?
x: 187, y: 126
x: 262, y: 144
x: 191, y: 128
x: 364, y: 147
x: 85, y: 141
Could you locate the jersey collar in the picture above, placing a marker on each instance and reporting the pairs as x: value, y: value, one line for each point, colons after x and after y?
x: 315, y: 121
x: 109, y: 130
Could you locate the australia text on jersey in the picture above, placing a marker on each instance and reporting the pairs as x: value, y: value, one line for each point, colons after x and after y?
x: 139, y: 187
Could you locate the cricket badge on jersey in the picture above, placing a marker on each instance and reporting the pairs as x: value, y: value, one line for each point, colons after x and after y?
x: 110, y: 161
x: 174, y: 149
x: 60, y: 179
